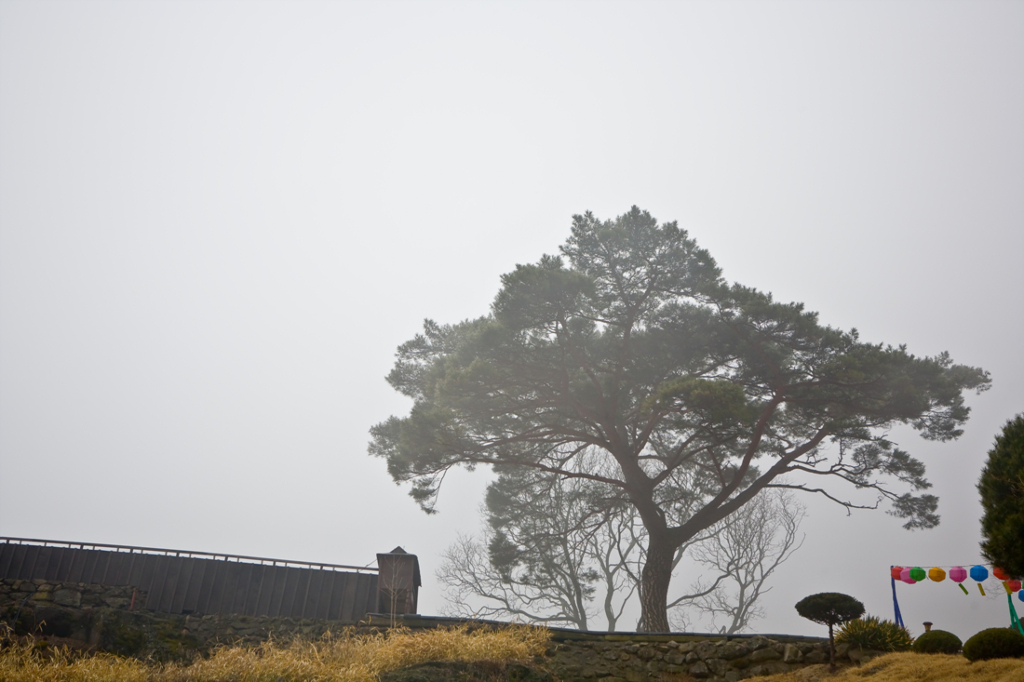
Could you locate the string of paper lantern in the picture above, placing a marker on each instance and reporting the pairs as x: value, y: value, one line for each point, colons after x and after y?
x: 958, y: 574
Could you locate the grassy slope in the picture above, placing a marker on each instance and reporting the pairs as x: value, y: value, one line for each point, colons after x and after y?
x: 347, y: 658
x: 350, y: 658
x: 909, y: 667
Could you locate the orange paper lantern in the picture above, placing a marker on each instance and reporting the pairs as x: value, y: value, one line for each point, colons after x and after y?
x: 937, y: 574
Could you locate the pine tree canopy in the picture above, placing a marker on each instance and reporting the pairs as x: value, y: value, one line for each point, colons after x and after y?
x: 830, y: 608
x: 699, y: 393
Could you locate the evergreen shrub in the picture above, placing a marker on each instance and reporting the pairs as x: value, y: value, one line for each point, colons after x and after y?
x: 994, y: 643
x: 870, y: 632
x: 938, y: 642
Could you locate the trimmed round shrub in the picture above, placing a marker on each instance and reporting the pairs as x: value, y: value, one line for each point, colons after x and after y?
x: 830, y: 608
x: 938, y: 642
x: 994, y: 643
x: 870, y: 632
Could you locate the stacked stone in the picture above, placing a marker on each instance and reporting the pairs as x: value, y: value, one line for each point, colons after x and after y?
x: 713, y: 661
x: 73, y: 595
x: 253, y: 630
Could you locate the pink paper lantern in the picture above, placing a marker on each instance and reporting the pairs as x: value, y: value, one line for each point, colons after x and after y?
x: 958, y: 574
x: 905, y: 576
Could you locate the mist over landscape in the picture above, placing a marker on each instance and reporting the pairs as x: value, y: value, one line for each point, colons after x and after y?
x: 218, y: 222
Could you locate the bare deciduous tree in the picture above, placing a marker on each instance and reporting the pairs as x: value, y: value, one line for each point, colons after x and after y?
x: 743, y: 552
x: 554, y: 546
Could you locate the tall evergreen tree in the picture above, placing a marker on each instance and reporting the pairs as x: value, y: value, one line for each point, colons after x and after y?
x: 1002, y: 497
x: 699, y: 394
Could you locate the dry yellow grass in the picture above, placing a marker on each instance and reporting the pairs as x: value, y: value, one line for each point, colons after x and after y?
x: 910, y: 667
x: 344, y: 658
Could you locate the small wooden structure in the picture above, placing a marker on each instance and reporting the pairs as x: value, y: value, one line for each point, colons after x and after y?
x: 398, y: 582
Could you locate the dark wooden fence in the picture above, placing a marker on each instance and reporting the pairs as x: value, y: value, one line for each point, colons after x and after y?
x: 176, y: 581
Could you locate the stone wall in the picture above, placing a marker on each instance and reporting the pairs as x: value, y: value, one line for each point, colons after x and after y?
x: 717, y: 661
x: 102, y: 618
x: 74, y: 595
x: 682, y: 657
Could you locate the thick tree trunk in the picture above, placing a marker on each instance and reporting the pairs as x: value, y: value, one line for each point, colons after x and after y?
x: 831, y: 651
x: 654, y: 580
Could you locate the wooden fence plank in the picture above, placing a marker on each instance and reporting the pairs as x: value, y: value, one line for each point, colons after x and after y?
x: 181, y: 587
x: 337, y: 595
x: 302, y: 589
x: 77, y: 566
x: 323, y: 603
x: 366, y: 595
x: 60, y: 572
x: 28, y: 566
x: 211, y: 574
x: 18, y: 562
x: 349, y: 601
x: 169, y: 583
x: 191, y: 601
x: 125, y: 561
x: 135, y: 570
x: 6, y: 557
x: 230, y: 583
x: 291, y: 586
x: 42, y: 559
x: 280, y: 574
x: 266, y: 588
x: 158, y: 583
x: 115, y: 561
x: 102, y: 566
x: 91, y: 557
x: 316, y: 581
x: 241, y: 588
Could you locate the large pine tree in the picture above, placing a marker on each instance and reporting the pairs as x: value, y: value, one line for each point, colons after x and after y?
x: 698, y: 393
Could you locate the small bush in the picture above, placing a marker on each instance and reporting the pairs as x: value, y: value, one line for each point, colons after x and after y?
x: 938, y: 642
x: 994, y: 643
x: 872, y: 633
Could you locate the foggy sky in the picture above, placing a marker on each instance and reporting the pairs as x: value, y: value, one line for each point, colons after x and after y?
x: 218, y: 221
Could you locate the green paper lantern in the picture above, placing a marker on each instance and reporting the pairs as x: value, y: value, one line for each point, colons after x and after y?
x: 917, y: 573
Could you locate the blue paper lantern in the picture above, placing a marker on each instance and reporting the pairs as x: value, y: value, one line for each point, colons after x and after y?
x: 979, y: 573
